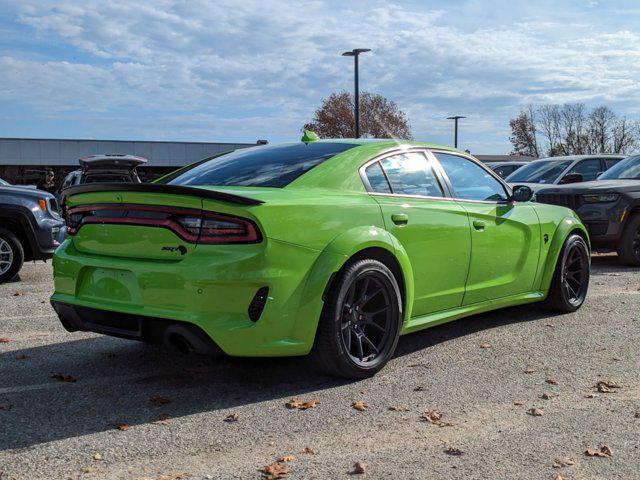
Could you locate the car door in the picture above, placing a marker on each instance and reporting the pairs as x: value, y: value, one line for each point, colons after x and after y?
x: 431, y: 228
x: 505, y: 236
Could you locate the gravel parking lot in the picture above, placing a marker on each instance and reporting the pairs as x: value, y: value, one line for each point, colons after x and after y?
x: 483, y: 375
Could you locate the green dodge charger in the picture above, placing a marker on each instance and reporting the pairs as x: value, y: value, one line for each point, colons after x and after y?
x: 331, y: 247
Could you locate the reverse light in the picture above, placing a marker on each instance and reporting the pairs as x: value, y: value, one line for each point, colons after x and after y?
x: 600, y: 198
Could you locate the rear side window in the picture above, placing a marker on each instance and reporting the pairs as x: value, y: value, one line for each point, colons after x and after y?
x: 589, y: 169
x: 610, y: 162
x: 263, y: 166
x: 377, y: 179
x: 411, y: 174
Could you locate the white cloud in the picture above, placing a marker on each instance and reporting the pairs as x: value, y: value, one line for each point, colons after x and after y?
x: 228, y: 64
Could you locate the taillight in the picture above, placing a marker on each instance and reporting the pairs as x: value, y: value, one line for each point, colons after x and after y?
x: 193, y: 226
x: 217, y: 228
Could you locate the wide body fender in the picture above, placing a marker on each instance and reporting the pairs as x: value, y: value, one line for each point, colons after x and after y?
x: 328, y: 264
x: 564, y: 228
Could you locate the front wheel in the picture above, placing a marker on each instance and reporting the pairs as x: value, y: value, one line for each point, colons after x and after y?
x: 570, y: 281
x: 11, y: 255
x: 629, y: 246
x: 360, y: 322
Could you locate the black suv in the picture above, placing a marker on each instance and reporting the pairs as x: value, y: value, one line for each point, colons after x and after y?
x: 30, y: 227
x: 608, y: 206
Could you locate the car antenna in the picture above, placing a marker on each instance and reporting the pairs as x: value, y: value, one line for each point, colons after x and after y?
x: 309, y: 137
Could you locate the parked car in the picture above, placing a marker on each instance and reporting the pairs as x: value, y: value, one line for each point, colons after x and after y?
x: 105, y: 168
x: 30, y: 227
x: 334, y: 247
x: 504, y: 169
x: 562, y: 170
x: 608, y: 206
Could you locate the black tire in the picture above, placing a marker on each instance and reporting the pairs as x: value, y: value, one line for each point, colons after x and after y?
x: 570, y: 281
x: 10, y: 251
x: 360, y: 322
x: 629, y: 246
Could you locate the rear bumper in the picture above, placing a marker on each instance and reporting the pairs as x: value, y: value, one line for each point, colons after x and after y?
x: 136, y: 327
x: 212, y: 289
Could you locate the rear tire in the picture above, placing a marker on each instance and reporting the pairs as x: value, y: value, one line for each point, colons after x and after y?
x: 570, y: 281
x: 360, y: 322
x: 11, y: 255
x: 629, y: 246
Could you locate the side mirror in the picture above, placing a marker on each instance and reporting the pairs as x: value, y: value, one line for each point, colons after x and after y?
x: 571, y: 178
x: 521, y: 193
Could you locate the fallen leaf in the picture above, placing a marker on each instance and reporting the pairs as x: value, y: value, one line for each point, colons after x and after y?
x: 590, y: 395
x: 286, y: 458
x: 309, y: 450
x: 275, y: 471
x: 637, y: 415
x: 120, y: 426
x: 89, y: 469
x: 398, y: 409
x: 548, y: 395
x: 419, y: 388
x: 5, y: 340
x: 607, y: 386
x: 485, y: 345
x: 18, y: 294
x: 309, y: 404
x: 562, y: 462
x: 233, y: 417
x: 360, y: 406
x: 518, y: 402
x: 549, y: 325
x: 293, y: 403
x: 558, y: 477
x: 64, y: 377
x: 529, y: 370
x: 552, y: 381
x: 536, y: 412
x: 159, y: 401
x: 163, y: 419
x: 431, y: 416
x: 5, y: 406
x: 604, y: 451
x: 453, y: 451
x: 359, y: 468
x: 97, y: 456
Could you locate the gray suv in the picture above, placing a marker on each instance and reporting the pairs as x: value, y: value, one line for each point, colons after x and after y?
x: 30, y: 227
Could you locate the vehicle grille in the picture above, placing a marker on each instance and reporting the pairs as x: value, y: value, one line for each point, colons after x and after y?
x: 569, y: 201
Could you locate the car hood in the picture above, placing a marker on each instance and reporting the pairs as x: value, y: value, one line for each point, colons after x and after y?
x: 621, y: 186
x: 24, y: 191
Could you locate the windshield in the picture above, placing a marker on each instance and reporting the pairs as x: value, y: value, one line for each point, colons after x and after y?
x: 539, y: 171
x: 264, y: 166
x: 629, y: 168
x: 2, y: 182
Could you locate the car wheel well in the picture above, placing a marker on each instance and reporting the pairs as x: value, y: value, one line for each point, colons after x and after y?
x: 18, y: 230
x: 583, y: 235
x: 383, y: 256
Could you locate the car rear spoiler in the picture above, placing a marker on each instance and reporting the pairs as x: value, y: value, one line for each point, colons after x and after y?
x: 159, y: 188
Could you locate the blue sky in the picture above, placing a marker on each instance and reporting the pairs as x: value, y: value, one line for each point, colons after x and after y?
x: 242, y: 70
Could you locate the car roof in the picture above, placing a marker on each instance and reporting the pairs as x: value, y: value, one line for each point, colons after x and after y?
x: 388, y: 142
x: 500, y: 164
x: 581, y: 157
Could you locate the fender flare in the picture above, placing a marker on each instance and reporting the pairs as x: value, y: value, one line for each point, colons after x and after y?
x: 566, y: 226
x: 334, y: 256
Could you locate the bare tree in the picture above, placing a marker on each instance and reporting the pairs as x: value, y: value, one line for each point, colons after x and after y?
x: 379, y: 117
x: 570, y: 130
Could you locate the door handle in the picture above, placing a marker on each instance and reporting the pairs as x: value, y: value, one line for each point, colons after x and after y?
x: 400, y: 218
x: 479, y: 225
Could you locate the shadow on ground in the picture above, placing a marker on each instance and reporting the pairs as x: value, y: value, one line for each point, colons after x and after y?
x: 117, y: 378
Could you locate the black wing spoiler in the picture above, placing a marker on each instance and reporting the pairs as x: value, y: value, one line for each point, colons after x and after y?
x: 159, y: 188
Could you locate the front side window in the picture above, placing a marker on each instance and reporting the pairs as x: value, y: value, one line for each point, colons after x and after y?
x: 539, y: 171
x: 629, y: 168
x: 410, y: 174
x: 263, y: 166
x: 469, y: 180
x: 589, y: 169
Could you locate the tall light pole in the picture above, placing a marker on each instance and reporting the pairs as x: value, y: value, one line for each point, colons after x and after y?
x: 455, y: 119
x: 354, y: 53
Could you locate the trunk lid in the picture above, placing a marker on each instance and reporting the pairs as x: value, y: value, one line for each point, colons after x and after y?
x: 123, y: 163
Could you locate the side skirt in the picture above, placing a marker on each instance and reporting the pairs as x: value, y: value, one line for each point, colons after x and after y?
x: 419, y: 323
